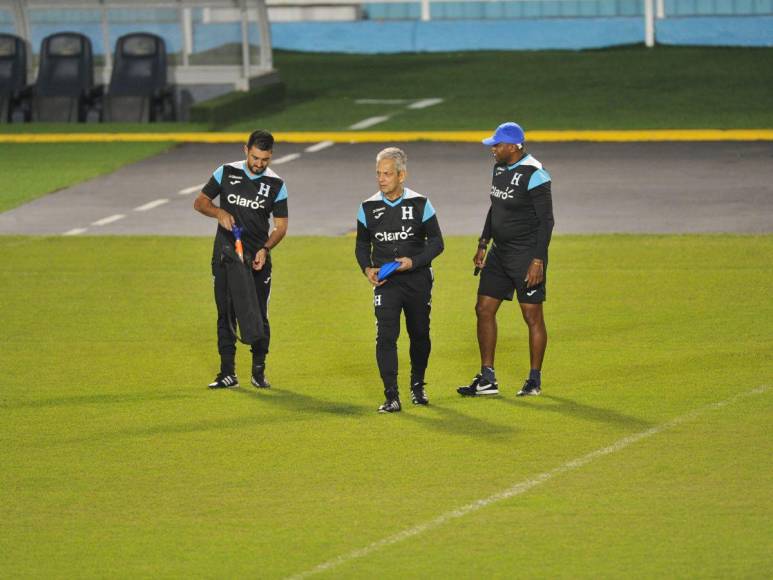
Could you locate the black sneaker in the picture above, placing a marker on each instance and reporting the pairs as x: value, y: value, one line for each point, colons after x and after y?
x: 392, y: 406
x: 259, y: 380
x: 479, y: 386
x: 418, y: 396
x: 223, y: 381
x: 529, y: 389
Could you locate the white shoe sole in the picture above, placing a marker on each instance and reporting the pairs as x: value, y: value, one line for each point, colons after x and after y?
x: 478, y: 393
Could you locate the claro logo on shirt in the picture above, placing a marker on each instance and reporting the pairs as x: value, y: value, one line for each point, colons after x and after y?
x: 404, y: 234
x: 508, y: 193
x: 244, y: 202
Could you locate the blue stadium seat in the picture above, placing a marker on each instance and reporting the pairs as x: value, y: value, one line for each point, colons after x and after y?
x: 138, y: 90
x: 14, y: 92
x: 65, y: 90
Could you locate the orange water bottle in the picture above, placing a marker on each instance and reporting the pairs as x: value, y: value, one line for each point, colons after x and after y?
x: 237, y: 232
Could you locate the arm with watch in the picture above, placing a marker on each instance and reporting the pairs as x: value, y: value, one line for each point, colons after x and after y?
x: 279, y: 232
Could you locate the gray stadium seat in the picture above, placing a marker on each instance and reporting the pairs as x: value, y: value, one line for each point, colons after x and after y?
x: 65, y: 90
x: 138, y: 90
x: 14, y: 92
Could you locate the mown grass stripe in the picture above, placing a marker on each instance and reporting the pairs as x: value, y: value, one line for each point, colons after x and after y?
x: 524, y: 486
x: 392, y: 136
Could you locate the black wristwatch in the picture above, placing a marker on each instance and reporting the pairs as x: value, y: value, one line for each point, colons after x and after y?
x: 268, y: 250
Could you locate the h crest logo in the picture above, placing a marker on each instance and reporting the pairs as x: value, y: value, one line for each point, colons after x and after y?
x: 263, y: 189
x: 516, y: 178
x: 377, y: 300
x: 407, y: 212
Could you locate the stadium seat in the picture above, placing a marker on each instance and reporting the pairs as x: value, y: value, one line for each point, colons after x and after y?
x: 65, y: 90
x: 138, y: 90
x: 14, y: 92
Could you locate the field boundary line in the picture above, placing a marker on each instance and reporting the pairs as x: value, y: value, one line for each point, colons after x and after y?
x: 654, y: 135
x: 523, y: 486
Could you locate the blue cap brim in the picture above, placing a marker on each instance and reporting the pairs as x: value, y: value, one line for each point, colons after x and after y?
x: 387, y: 270
x: 490, y: 141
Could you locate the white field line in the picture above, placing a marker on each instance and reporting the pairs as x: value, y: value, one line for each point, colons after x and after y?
x: 152, y: 204
x: 369, y: 122
x: 381, y: 101
x: 191, y: 189
x: 424, y: 103
x: 523, y: 486
x: 74, y: 231
x: 108, y: 220
x: 285, y: 159
x: 319, y: 146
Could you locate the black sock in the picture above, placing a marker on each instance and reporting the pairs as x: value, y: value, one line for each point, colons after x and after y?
x: 488, y: 374
x: 536, y: 376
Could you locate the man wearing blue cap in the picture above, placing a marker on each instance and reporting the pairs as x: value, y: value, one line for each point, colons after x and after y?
x: 519, y: 225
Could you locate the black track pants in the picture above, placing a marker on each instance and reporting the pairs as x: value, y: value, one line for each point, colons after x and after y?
x: 226, y: 339
x: 409, y: 292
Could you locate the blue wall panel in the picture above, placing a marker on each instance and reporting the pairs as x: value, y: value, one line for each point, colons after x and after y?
x: 716, y: 31
x: 448, y: 35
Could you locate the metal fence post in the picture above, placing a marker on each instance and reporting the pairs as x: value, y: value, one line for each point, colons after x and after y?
x: 245, y: 84
x: 649, y: 23
x: 264, y: 26
x: 425, y: 10
x: 187, y: 26
x: 103, y: 21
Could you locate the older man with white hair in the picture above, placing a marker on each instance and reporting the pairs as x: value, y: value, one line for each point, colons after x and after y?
x: 398, y: 226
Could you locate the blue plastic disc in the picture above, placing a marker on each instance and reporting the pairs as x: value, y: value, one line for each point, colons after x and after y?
x: 387, y: 269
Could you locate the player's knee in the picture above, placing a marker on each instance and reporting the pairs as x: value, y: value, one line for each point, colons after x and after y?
x: 533, y: 316
x: 418, y: 333
x: 386, y: 344
x: 387, y: 335
x: 483, y: 310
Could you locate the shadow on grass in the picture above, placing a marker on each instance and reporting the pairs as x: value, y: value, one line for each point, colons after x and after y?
x: 450, y: 421
x: 304, y: 403
x: 102, y: 399
x: 577, y: 410
x: 297, y: 407
x: 183, y: 428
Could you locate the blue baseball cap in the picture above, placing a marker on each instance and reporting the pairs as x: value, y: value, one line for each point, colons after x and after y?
x: 507, y: 133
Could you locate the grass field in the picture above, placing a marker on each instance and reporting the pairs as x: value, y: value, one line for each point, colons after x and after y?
x: 621, y: 88
x: 118, y: 462
x: 31, y: 171
x: 624, y: 88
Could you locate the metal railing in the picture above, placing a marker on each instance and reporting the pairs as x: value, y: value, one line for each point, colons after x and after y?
x: 186, y: 72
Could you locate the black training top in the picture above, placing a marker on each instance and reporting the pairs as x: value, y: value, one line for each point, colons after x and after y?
x: 405, y: 227
x: 250, y: 198
x: 520, y: 219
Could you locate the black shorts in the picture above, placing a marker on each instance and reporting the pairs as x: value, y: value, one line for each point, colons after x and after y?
x: 503, y: 278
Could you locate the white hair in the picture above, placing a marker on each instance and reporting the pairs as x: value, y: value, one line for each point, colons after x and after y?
x: 397, y: 155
